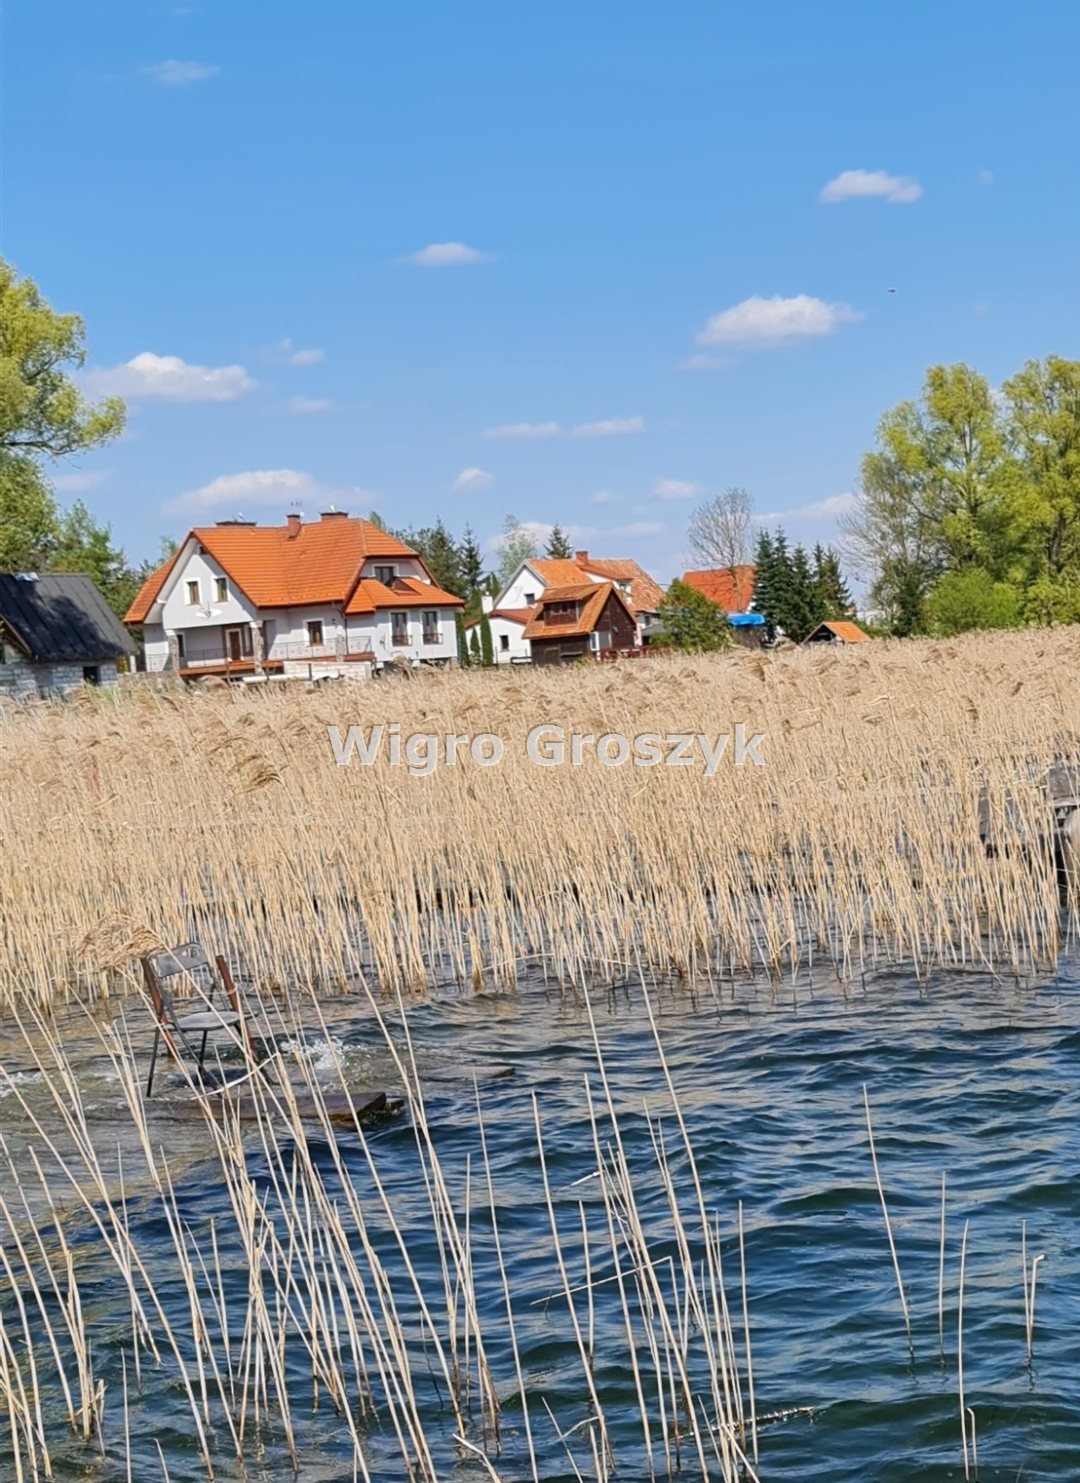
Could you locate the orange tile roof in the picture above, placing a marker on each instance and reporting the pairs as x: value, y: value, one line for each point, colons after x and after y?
x: 556, y: 571
x: 512, y: 615
x: 717, y: 583
x: 146, y: 596
x: 847, y: 633
x: 406, y: 592
x: 294, y: 564
x: 592, y: 598
x: 646, y: 594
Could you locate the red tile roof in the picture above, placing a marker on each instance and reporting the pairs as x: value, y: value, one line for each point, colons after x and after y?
x: 731, y: 591
x: 295, y: 564
x: 512, y: 615
x: 556, y: 571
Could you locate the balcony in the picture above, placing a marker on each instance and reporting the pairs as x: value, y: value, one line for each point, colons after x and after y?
x: 432, y: 636
x: 213, y: 659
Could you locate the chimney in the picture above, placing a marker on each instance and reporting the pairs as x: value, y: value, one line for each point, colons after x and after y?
x: 581, y: 557
x: 487, y: 603
x: 292, y: 521
x: 333, y: 514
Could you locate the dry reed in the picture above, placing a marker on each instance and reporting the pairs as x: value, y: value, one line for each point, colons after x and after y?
x: 151, y: 816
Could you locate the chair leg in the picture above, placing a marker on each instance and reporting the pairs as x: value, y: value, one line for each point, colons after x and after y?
x: 153, y: 1060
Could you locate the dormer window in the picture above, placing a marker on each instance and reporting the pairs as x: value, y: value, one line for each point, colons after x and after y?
x: 387, y: 575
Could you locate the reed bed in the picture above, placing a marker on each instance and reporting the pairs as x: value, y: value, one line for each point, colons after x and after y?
x: 399, y: 1310
x: 147, y: 817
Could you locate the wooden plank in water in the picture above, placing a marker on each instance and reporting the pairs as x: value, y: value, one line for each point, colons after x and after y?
x: 336, y: 1107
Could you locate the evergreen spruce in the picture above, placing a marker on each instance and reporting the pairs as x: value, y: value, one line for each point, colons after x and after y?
x: 487, y: 648
x: 558, y: 546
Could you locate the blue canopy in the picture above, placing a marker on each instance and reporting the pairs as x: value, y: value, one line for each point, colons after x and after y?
x: 746, y: 620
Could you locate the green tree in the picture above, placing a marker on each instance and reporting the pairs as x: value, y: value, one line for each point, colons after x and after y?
x: 472, y: 571
x: 764, y: 596
x: 1043, y: 427
x: 970, y: 598
x: 43, y: 416
x: 487, y: 647
x: 474, y: 646
x: 692, y: 622
x: 515, y: 546
x: 84, y: 546
x: 558, y: 546
x: 802, y: 610
x: 462, y: 639
x: 831, y: 592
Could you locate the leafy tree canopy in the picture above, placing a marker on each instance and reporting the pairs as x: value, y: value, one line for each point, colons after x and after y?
x: 691, y: 621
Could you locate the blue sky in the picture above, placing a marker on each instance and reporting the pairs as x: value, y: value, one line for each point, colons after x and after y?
x: 656, y: 301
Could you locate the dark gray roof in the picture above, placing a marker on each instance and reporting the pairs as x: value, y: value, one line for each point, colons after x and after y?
x: 61, y: 616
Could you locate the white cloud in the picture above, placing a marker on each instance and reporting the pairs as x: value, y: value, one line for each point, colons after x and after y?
x: 984, y: 177
x: 524, y: 430
x: 861, y: 185
x: 701, y: 361
x: 446, y: 255
x: 676, y: 489
x: 301, y: 406
x: 604, y: 497
x: 611, y: 427
x: 285, y: 354
x: 79, y: 480
x: 831, y: 506
x: 173, y: 74
x: 775, y: 321
x: 167, y: 378
x: 639, y: 528
x: 252, y: 487
x: 473, y: 478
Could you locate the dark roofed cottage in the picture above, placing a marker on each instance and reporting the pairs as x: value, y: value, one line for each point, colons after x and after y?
x: 57, y: 632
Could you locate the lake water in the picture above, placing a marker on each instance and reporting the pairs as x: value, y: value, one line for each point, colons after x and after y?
x: 967, y: 1075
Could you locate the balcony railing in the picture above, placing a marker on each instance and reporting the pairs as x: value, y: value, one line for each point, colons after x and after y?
x: 401, y: 638
x: 432, y: 636
x: 215, y: 656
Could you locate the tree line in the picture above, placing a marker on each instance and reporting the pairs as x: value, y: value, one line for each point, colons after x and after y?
x: 969, y: 515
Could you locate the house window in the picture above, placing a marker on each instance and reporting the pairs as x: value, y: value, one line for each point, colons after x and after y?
x: 530, y: 598
x: 314, y: 633
x: 504, y: 641
x: 192, y: 594
x: 221, y: 590
x: 91, y: 674
x: 399, y: 626
x: 385, y: 574
x: 594, y: 641
x: 180, y: 646
x: 431, y: 628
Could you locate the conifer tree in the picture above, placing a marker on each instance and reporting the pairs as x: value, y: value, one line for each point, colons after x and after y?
x: 487, y: 648
x: 558, y: 546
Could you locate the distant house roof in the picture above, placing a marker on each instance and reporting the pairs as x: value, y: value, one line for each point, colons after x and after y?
x: 731, y: 589
x: 60, y: 617
x: 590, y: 599
x: 842, y: 631
x: 555, y: 571
x: 511, y: 615
x: 297, y: 563
x: 646, y: 594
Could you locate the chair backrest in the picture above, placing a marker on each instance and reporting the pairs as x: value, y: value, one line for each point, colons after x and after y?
x: 188, y: 960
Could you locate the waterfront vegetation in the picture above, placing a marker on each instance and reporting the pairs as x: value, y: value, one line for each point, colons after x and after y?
x: 152, y: 816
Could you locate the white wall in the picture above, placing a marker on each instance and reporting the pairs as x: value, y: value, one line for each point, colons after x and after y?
x: 178, y: 614
x: 517, y: 591
x: 518, y: 648
x: 385, y: 649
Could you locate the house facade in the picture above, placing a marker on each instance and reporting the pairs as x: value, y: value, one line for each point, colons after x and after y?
x: 510, y: 612
x: 333, y: 597
x: 57, y: 632
x: 589, y: 618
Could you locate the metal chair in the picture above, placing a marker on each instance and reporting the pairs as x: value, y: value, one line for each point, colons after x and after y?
x: 179, y: 1030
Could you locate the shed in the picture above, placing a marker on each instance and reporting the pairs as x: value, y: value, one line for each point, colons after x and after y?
x: 837, y: 631
x: 57, y: 632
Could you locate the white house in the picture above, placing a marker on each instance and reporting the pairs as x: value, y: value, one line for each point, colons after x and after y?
x: 510, y: 611
x: 336, y: 596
